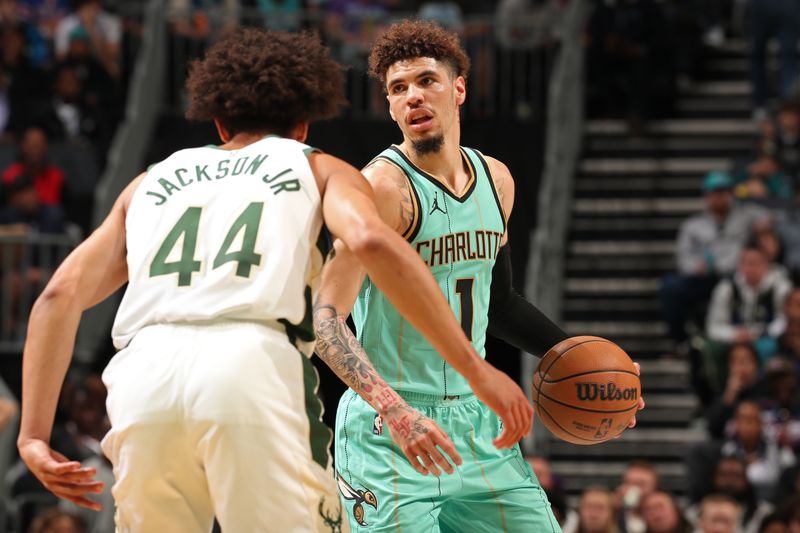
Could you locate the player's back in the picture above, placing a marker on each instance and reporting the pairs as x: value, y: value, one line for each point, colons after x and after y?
x: 223, y: 234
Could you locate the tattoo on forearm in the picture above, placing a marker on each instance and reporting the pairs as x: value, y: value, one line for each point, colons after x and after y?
x: 338, y: 347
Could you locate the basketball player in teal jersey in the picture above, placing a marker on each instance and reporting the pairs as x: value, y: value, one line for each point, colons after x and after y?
x: 451, y: 204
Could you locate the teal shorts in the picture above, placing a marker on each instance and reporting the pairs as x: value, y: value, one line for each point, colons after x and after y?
x: 492, y: 491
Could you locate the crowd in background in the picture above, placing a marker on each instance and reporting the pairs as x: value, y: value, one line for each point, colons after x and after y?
x: 731, y: 306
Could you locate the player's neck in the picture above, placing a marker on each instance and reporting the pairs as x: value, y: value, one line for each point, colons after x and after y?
x: 242, y: 139
x: 446, y: 163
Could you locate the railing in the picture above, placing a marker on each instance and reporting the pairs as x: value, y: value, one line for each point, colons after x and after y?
x: 27, y: 261
x: 507, y: 76
x: 563, y: 145
x: 126, y: 158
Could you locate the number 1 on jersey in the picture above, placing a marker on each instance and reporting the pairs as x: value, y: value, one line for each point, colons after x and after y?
x: 464, y: 291
x: 188, y: 226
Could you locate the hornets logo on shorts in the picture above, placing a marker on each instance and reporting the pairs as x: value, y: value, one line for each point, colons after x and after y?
x: 360, y: 497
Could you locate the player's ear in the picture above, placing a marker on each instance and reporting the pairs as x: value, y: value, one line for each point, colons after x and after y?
x: 460, y: 86
x: 223, y: 133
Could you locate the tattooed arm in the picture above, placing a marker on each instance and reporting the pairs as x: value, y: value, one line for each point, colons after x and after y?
x: 416, y: 435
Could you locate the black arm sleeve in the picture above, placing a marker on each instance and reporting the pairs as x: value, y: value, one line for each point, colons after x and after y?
x: 514, y: 319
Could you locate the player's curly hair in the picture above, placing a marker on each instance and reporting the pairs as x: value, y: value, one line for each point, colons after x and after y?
x: 257, y: 80
x: 411, y: 39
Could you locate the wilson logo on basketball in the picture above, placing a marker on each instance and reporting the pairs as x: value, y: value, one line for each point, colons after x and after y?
x: 588, y: 392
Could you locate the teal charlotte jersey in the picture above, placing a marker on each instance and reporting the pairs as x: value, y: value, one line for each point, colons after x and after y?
x: 458, y: 237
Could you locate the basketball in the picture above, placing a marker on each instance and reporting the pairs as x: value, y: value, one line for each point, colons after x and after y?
x: 586, y: 390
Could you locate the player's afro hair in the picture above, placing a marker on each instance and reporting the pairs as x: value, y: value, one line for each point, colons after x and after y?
x: 411, y: 39
x: 257, y: 80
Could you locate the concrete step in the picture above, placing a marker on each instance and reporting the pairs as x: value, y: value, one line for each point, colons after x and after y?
x: 619, y: 265
x: 625, y: 248
x: 613, y: 225
x: 740, y: 88
x: 600, y: 306
x: 637, y: 206
x: 701, y: 127
x: 613, y: 286
x: 672, y: 146
x: 638, y: 442
x: 647, y: 185
x: 578, y: 475
x: 672, y: 165
x: 610, y: 330
x: 640, y: 348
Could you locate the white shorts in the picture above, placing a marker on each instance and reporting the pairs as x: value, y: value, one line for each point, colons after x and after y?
x: 221, y: 420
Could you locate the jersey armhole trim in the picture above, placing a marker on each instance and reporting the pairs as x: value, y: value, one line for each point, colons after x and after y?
x: 492, y: 186
x: 308, y: 150
x: 416, y: 222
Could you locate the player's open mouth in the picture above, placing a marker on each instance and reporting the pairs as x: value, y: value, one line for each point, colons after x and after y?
x: 420, y: 120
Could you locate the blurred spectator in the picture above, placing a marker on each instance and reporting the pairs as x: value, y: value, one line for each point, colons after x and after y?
x: 772, y: 19
x: 718, y: 514
x: 56, y: 521
x: 99, y: 88
x: 354, y: 25
x: 103, y: 28
x: 33, y: 163
x: 780, y: 409
x: 763, y: 179
x: 595, y: 513
x: 765, y: 458
x: 748, y: 307
x: 446, y: 14
x: 639, y: 480
x: 742, y: 384
x: 661, y: 514
x: 286, y: 15
x: 551, y: 485
x: 25, y: 212
x: 630, y: 60
x: 707, y: 249
x: 789, y: 340
x: 774, y: 523
x: 782, y: 139
x: 201, y: 19
x: 730, y: 480
x: 788, y: 486
x: 765, y: 236
x: 21, y: 84
x: 787, y: 224
x: 69, y: 116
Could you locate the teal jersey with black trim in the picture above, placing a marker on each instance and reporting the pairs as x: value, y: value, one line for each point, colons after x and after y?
x: 458, y: 238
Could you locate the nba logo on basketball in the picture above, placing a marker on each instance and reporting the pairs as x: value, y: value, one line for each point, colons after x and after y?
x: 588, y: 392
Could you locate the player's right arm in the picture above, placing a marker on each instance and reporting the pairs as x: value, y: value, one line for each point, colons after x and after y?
x: 350, y: 212
x: 91, y: 273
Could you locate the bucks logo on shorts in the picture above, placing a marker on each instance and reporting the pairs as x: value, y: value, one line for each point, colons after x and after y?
x: 360, y: 497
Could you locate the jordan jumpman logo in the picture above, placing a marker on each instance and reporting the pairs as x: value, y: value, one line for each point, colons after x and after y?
x: 435, y: 206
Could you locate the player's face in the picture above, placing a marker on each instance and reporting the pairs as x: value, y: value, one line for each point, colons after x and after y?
x: 424, y: 96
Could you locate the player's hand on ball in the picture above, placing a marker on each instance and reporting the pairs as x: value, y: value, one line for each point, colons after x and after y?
x: 503, y: 396
x: 421, y: 439
x: 632, y: 423
x: 64, y: 478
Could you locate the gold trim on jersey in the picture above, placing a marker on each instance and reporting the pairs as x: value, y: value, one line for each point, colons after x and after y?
x: 415, y: 221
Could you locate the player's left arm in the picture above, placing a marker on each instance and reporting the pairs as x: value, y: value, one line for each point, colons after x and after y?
x: 91, y: 273
x: 512, y: 318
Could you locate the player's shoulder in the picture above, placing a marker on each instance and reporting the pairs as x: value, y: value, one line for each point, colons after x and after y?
x: 385, y: 176
x: 497, y: 168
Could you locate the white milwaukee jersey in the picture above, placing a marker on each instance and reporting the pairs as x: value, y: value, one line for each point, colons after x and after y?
x: 214, y: 233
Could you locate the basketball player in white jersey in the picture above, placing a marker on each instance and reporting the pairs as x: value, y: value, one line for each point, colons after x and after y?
x: 211, y: 396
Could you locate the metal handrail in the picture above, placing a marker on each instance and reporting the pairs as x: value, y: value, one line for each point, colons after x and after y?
x: 545, y: 269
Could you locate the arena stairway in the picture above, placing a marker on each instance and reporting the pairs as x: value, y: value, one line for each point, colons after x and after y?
x: 630, y: 195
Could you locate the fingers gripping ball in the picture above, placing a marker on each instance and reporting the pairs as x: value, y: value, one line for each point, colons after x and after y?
x: 586, y: 390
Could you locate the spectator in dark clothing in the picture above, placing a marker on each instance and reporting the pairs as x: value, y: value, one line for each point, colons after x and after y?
x: 788, y: 486
x: 782, y: 140
x: 772, y: 19
x: 789, y: 340
x: 708, y: 247
x: 21, y: 84
x: 730, y: 479
x: 99, y: 88
x: 774, y: 523
x: 742, y: 384
x: 57, y: 521
x: 780, y: 408
x: 48, y: 180
x: 69, y: 116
